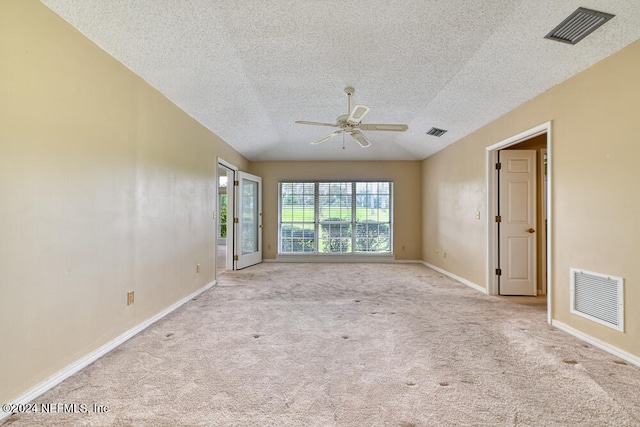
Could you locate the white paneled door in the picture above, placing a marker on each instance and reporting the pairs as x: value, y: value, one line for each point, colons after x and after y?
x: 517, y: 211
x: 248, y: 222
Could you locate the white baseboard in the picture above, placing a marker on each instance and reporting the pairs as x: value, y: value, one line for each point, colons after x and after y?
x: 458, y: 278
x: 385, y: 260
x: 96, y: 354
x: 597, y: 343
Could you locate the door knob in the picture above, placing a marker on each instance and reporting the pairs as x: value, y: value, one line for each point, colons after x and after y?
x: 530, y: 230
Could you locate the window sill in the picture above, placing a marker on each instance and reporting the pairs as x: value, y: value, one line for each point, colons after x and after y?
x: 335, y: 258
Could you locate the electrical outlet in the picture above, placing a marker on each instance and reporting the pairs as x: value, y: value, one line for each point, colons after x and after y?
x: 130, y: 297
x: 403, y: 247
x: 444, y: 255
x: 198, y: 268
x: 477, y: 214
x: 437, y: 252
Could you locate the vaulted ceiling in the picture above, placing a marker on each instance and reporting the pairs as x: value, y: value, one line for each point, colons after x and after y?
x: 247, y: 69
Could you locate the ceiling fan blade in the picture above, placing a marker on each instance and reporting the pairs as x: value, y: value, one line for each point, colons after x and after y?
x: 362, y: 140
x: 303, y: 122
x: 358, y: 112
x: 385, y: 127
x: 331, y: 135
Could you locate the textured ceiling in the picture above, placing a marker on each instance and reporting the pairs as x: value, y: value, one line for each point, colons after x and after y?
x: 248, y: 69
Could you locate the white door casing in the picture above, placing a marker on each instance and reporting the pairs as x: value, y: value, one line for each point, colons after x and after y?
x: 517, y: 227
x: 542, y: 233
x: 227, y: 169
x: 248, y: 236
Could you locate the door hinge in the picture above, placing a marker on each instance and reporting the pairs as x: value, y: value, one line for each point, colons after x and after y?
x: 236, y: 183
x: 498, y: 218
x: 498, y: 166
x: 498, y: 272
x: 235, y: 220
x: 235, y: 257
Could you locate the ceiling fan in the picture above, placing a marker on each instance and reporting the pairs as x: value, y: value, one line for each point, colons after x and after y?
x: 351, y: 123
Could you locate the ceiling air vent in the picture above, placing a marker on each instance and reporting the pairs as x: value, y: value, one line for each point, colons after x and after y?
x: 578, y: 25
x: 436, y: 132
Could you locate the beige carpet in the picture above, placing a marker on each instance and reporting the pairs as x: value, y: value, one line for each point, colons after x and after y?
x: 222, y: 259
x: 351, y: 345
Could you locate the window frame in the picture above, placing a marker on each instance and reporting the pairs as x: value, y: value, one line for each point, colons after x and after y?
x: 354, y: 223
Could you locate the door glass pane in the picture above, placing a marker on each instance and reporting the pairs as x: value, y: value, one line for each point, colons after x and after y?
x: 223, y: 215
x: 249, y: 200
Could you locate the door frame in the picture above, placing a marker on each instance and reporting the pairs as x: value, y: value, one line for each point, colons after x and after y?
x: 230, y: 212
x: 492, y: 207
x: 246, y: 260
x: 542, y: 168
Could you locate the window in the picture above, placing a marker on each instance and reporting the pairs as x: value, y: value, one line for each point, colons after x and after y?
x: 335, y: 217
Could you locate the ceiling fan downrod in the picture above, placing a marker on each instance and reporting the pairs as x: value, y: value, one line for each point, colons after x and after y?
x: 349, y: 91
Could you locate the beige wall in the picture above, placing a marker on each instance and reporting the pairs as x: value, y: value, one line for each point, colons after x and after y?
x: 105, y: 187
x: 406, y: 185
x: 453, y: 193
x: 595, y: 203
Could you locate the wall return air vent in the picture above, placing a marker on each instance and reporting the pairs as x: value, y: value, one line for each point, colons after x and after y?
x: 578, y: 25
x: 598, y: 297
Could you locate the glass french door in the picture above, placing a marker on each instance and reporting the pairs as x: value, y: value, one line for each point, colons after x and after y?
x: 248, y: 244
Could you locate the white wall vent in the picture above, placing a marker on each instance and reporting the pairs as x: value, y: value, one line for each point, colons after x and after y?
x: 598, y: 297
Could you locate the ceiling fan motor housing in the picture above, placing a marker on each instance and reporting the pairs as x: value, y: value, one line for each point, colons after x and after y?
x: 342, y: 120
